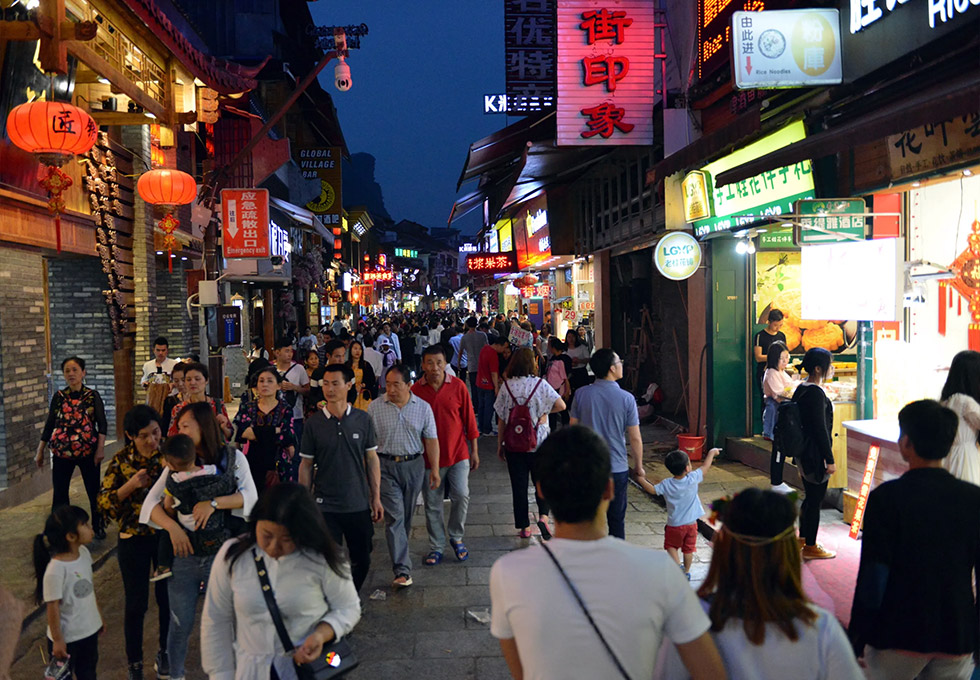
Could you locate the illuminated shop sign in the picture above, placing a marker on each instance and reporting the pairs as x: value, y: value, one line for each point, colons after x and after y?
x: 279, y: 241
x: 936, y: 12
x: 496, y: 263
x: 536, y: 221
x: 786, y: 48
x: 378, y: 276
x: 405, y: 252
x: 678, y: 256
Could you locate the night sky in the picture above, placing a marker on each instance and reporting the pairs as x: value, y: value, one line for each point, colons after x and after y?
x: 417, y: 98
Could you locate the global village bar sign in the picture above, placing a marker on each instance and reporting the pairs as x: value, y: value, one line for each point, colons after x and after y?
x: 770, y: 193
x: 605, y: 72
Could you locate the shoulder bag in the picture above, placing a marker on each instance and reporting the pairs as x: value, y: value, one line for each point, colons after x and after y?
x: 585, y: 610
x: 336, y: 658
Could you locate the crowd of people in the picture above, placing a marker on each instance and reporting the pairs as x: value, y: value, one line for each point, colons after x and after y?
x: 271, y: 514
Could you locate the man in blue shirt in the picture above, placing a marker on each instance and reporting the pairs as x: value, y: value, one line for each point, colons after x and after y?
x: 611, y: 411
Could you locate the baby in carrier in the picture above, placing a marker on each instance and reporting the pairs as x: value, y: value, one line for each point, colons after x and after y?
x: 187, y: 485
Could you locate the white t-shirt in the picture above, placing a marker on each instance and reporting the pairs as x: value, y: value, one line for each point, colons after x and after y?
x: 71, y: 582
x: 539, y: 404
x: 297, y: 375
x: 821, y: 652
x: 150, y: 369
x: 637, y: 596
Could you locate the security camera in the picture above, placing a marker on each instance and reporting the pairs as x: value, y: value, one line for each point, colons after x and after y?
x: 277, y: 262
x: 341, y: 75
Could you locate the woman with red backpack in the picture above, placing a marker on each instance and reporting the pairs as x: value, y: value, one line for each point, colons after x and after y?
x: 522, y: 407
x: 75, y: 431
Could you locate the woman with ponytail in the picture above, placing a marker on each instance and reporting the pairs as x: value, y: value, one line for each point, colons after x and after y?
x: 63, y: 568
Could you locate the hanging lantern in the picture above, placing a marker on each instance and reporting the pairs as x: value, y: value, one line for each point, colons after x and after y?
x: 526, y: 281
x: 54, y: 132
x: 168, y: 189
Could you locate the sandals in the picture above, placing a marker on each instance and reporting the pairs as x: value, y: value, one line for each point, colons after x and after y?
x: 433, y: 558
x: 525, y: 532
x: 462, y: 554
x: 545, y: 531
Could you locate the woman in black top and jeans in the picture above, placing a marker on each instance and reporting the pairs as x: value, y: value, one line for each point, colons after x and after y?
x: 75, y: 431
x: 816, y: 461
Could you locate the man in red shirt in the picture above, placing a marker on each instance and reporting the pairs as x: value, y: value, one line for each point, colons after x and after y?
x: 488, y: 383
x: 458, y: 435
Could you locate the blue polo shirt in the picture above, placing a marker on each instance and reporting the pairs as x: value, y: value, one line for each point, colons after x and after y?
x: 608, y: 409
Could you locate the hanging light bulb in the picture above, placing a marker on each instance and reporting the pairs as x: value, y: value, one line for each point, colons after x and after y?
x: 750, y: 246
x: 740, y: 247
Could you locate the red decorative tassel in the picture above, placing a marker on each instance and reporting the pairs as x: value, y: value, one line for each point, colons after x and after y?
x: 959, y: 306
x: 974, y: 334
x: 57, y: 231
x: 55, y: 181
x: 942, y: 308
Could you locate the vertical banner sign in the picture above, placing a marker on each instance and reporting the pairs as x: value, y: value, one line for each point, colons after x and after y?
x: 245, y: 222
x: 862, y: 502
x: 605, y: 72
x: 324, y: 164
x: 529, y: 51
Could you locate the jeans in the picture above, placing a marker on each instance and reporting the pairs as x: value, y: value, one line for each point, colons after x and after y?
x: 401, y: 484
x: 892, y: 664
x: 616, y: 514
x: 484, y: 409
x: 61, y: 471
x: 356, y: 530
x: 810, y: 510
x: 184, y: 588
x: 137, y: 555
x: 84, y: 655
x: 458, y: 477
x: 471, y: 381
x: 519, y: 465
x: 770, y: 408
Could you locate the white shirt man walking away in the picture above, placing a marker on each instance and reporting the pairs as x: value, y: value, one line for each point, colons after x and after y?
x: 636, y: 596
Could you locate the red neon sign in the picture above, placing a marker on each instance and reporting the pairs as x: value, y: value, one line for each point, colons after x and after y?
x: 862, y: 501
x: 379, y: 276
x: 492, y: 263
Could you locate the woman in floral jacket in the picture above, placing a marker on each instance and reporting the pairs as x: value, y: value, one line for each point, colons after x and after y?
x: 75, y: 431
x: 266, y: 424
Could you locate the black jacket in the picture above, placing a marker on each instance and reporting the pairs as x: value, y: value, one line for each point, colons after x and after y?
x: 817, y: 421
x: 920, y: 547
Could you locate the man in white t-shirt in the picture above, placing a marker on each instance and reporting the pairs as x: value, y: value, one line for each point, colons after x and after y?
x: 160, y: 363
x: 636, y: 596
x: 295, y: 383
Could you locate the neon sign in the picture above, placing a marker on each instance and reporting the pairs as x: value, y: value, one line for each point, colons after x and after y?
x: 536, y: 222
x: 378, y: 276
x: 492, y: 263
x: 862, y: 501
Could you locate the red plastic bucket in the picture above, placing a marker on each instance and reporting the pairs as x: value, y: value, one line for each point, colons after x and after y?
x: 692, y: 445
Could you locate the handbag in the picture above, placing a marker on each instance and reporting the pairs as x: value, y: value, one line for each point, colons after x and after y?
x: 585, y: 610
x: 336, y: 658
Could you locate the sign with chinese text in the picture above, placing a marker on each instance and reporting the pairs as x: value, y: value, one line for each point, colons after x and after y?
x: 862, y: 502
x: 245, y: 222
x: 777, y: 239
x: 529, y: 53
x: 518, y: 336
x: 224, y: 326
x: 696, y: 201
x: 376, y: 276
x: 934, y: 147
x: 279, y: 241
x: 677, y: 256
x: 837, y: 215
x: 770, y: 193
x: 492, y: 263
x: 605, y: 72
x: 786, y: 48
x: 505, y: 234
x: 532, y: 236
x: 714, y: 23
x: 405, y: 252
x: 324, y: 164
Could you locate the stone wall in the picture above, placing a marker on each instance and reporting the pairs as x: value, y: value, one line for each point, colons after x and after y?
x: 23, y: 363
x: 80, y: 326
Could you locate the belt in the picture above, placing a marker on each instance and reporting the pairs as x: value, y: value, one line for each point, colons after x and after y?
x: 399, y: 459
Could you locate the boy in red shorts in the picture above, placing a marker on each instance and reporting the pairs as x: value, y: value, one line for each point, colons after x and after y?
x: 683, y: 505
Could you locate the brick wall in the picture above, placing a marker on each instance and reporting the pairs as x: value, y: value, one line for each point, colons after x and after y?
x: 24, y: 390
x: 172, y: 320
x: 80, y: 326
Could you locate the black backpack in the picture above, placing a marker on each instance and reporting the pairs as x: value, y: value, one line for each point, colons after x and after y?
x: 788, y: 433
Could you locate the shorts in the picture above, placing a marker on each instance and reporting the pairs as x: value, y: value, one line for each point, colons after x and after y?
x: 684, y: 537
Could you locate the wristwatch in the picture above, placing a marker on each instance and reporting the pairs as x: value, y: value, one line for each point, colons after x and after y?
x: 214, y: 504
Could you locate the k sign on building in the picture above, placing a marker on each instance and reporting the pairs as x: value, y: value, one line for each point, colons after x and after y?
x: 605, y: 72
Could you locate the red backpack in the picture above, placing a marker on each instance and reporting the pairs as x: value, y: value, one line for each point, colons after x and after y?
x: 521, y: 432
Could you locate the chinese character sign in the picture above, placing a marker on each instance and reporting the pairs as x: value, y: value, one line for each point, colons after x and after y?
x: 605, y: 72
x: 492, y: 263
x: 786, y: 48
x: 324, y: 164
x: 245, y: 222
x: 932, y: 147
x: 529, y: 51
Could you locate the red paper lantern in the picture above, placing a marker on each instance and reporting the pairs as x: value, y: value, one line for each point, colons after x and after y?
x: 167, y: 188
x: 526, y: 281
x: 54, y: 132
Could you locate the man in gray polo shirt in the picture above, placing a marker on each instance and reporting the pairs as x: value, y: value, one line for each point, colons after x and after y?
x: 341, y: 441
x: 470, y: 345
x: 406, y: 430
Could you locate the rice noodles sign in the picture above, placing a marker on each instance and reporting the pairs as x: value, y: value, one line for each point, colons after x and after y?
x: 605, y: 72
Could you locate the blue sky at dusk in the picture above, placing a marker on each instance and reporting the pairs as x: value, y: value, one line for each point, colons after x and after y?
x: 417, y: 99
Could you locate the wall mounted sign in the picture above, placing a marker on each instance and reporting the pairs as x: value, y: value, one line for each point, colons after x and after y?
x: 324, y: 164
x: 677, y: 256
x: 529, y: 54
x: 786, y: 48
x: 245, y: 222
x: 933, y: 147
x: 532, y: 235
x: 931, y: 12
x: 505, y: 234
x: 770, y: 193
x: 838, y: 215
x: 406, y: 252
x: 606, y: 84
x: 492, y: 263
x: 697, y: 204
x: 378, y: 276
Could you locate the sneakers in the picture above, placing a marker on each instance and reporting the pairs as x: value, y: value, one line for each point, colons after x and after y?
x: 782, y: 488
x: 135, y: 671
x: 817, y: 552
x: 160, y: 573
x: 162, y: 665
x: 403, y: 581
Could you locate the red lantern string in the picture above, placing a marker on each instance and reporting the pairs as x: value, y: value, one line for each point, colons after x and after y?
x: 55, y: 181
x: 942, y: 308
x: 169, y: 225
